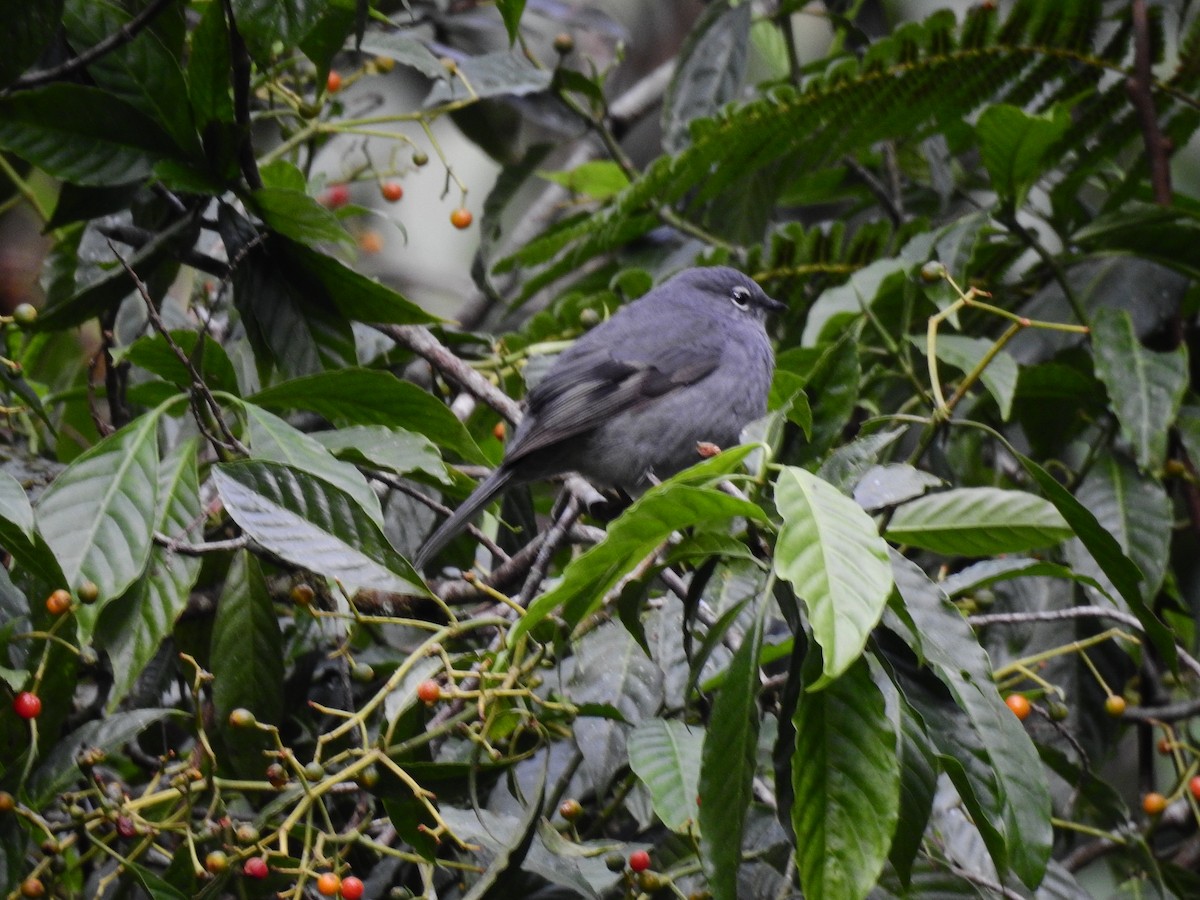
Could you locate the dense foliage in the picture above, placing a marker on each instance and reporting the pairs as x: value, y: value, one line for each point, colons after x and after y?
x: 929, y: 632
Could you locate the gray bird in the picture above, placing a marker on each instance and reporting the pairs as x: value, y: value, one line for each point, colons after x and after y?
x: 628, y: 402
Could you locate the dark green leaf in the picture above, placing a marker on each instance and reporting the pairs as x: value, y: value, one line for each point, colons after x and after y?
x: 368, y: 397
x: 846, y: 784
x: 314, y: 525
x: 28, y: 28
x: 210, y: 86
x: 265, y: 22
x: 1109, y: 556
x: 1144, y: 387
x: 247, y: 663
x: 831, y: 551
x: 728, y: 763
x: 404, y: 49
x: 510, y: 11
x: 153, y: 354
x: 298, y: 216
x: 490, y: 75
x: 82, y: 134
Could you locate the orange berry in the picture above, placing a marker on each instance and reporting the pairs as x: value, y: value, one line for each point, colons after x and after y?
x: 328, y: 884
x: 498, y: 431
x: 461, y: 218
x: 1019, y: 706
x: 333, y: 83
x: 429, y: 691
x: 1154, y: 803
x: 1194, y: 786
x: 33, y: 887
x: 391, y: 190
x: 370, y: 241
x: 58, y: 602
x: 1114, y: 705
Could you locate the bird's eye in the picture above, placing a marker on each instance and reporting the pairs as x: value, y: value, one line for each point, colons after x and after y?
x: 740, y: 297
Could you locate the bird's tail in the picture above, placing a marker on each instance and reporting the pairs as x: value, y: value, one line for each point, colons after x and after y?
x: 487, y: 490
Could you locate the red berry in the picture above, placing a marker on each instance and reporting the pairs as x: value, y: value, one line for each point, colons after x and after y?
x: 58, y: 602
x: 333, y: 83
x: 1194, y: 786
x: 570, y: 809
x: 429, y: 691
x: 352, y: 888
x: 391, y: 190
x: 27, y: 705
x: 1019, y: 706
x: 335, y: 196
x: 328, y: 884
x: 639, y: 860
x: 1154, y: 803
x: 255, y: 867
x: 461, y: 218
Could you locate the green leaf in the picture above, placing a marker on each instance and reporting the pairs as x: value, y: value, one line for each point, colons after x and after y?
x: 28, y: 28
x: 98, y: 514
x: 665, y: 755
x: 1135, y: 509
x: 16, y: 515
x: 664, y: 508
x: 965, y: 353
x: 18, y: 536
x: 404, y: 49
x: 298, y: 216
x: 710, y: 70
x: 369, y: 397
x: 246, y: 661
x: 984, y: 748
x: 978, y: 522
x: 210, y: 86
x: 846, y: 784
x: 143, y: 71
x: 918, y: 788
x: 598, y: 179
x: 728, y: 763
x: 1145, y: 388
x: 82, y: 134
x: 264, y: 22
x: 314, y: 525
x: 502, y: 74
x: 273, y: 439
x: 830, y: 550
x: 354, y: 295
x: 153, y: 354
x: 133, y: 628
x: 1107, y: 553
x: 510, y: 11
x: 1014, y: 146
x: 395, y: 450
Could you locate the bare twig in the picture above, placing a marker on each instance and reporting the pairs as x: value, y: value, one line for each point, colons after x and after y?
x: 1138, y: 87
x: 185, y: 548
x: 551, y: 541
x: 121, y: 36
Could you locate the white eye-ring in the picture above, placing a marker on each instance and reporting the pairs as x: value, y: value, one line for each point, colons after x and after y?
x: 740, y: 297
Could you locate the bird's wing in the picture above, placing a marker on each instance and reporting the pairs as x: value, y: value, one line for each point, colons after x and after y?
x: 591, y: 387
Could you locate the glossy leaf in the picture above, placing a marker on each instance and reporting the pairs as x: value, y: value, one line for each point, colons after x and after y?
x: 1014, y: 146
x: 727, y: 765
x: 300, y: 217
x: 665, y: 755
x: 368, y: 397
x: 273, y: 439
x: 99, y: 514
x: 984, y: 748
x: 510, y: 11
x: 264, y: 22
x: 830, y: 550
x: 1145, y: 387
x: 665, y: 508
x: 153, y: 354
x: 312, y: 524
x: 395, y: 450
x: 132, y: 629
x: 978, y: 522
x: 846, y: 785
x: 81, y: 134
x: 247, y: 662
x: 28, y: 28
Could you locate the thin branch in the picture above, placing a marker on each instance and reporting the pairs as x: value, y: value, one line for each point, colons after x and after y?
x: 121, y: 36
x: 1138, y: 87
x: 553, y: 539
x: 1077, y: 612
x: 240, y: 63
x: 184, y: 548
